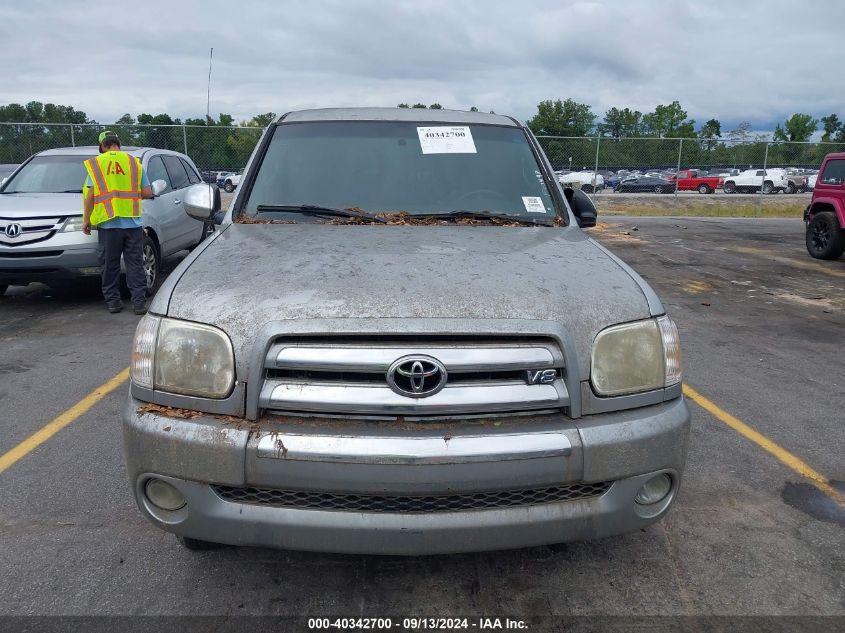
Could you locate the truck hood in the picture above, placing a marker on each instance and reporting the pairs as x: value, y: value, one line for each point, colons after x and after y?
x: 33, y: 205
x: 251, y: 275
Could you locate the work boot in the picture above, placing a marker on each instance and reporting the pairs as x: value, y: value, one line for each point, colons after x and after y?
x: 140, y: 310
x: 114, y: 308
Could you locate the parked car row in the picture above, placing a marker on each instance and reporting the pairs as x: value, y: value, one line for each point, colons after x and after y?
x: 772, y: 180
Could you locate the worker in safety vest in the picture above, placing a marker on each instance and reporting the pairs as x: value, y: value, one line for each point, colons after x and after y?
x: 115, y: 186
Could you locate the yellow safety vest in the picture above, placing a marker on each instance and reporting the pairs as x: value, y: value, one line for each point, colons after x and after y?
x: 117, y: 186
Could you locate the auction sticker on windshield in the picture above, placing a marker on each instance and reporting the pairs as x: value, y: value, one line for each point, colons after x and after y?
x: 446, y: 139
x: 533, y: 204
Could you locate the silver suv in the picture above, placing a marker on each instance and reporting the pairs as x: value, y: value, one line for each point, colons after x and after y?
x: 41, y: 236
x: 414, y: 349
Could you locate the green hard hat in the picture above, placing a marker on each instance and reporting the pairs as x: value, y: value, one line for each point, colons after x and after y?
x: 106, y: 133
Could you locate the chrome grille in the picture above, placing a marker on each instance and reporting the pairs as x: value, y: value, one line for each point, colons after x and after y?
x: 413, y: 504
x: 32, y: 229
x: 349, y: 376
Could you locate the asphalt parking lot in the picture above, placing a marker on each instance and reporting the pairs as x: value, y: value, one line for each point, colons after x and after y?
x: 762, y: 330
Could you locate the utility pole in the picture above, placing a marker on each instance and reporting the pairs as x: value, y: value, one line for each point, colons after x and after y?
x: 208, y: 93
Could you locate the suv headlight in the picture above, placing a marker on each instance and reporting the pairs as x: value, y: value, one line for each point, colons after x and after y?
x: 636, y: 357
x: 73, y: 223
x: 182, y: 357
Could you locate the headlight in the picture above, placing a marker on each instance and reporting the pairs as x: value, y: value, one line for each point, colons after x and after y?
x: 182, y: 357
x: 73, y: 223
x: 636, y: 357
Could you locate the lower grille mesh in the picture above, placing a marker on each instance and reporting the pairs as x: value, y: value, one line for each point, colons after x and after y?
x: 419, y: 504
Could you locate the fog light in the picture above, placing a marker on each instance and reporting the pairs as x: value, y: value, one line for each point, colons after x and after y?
x: 163, y: 495
x: 654, y: 490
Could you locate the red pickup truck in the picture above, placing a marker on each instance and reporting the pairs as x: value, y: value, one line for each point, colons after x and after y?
x: 690, y: 180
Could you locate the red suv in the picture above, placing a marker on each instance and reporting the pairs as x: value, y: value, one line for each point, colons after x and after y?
x: 825, y: 217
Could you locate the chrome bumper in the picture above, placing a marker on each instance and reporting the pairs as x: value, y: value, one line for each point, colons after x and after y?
x: 626, y: 447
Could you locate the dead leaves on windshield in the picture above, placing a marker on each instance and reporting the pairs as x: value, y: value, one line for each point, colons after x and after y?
x: 251, y: 219
x: 398, y: 218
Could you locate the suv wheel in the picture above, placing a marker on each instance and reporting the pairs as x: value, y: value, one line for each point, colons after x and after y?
x: 152, y: 264
x: 729, y: 187
x: 825, y: 239
x: 768, y: 187
x: 228, y: 187
x: 790, y: 187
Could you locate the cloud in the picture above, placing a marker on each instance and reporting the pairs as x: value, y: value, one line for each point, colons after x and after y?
x: 757, y: 61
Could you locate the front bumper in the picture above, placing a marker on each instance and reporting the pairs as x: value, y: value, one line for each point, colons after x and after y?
x: 49, y: 263
x: 625, y: 448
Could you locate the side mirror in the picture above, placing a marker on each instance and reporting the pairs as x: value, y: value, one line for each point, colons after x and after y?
x: 158, y: 187
x: 581, y: 205
x: 201, y: 201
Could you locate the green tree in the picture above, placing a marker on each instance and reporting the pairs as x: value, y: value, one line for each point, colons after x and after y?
x: 621, y: 123
x: 435, y: 106
x: 403, y: 105
x: 831, y: 126
x: 797, y: 128
x: 473, y: 109
x: 669, y: 121
x: 709, y: 132
x: 562, y: 118
x: 419, y: 106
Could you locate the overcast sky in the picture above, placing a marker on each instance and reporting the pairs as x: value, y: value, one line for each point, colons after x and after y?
x: 749, y: 60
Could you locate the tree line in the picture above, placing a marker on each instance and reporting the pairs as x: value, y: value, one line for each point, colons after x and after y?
x: 222, y: 143
x: 219, y: 143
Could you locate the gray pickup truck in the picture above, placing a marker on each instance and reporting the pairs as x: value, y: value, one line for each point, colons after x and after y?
x: 401, y: 341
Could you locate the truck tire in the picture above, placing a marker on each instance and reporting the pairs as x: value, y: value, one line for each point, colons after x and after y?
x: 790, y: 188
x: 729, y: 187
x: 704, y: 188
x: 768, y: 187
x: 825, y: 239
x: 228, y: 187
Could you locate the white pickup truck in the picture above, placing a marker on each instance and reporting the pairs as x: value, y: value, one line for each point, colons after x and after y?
x: 752, y: 180
x: 587, y: 181
x: 231, y: 180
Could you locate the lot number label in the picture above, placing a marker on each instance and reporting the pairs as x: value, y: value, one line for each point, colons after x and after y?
x: 452, y: 139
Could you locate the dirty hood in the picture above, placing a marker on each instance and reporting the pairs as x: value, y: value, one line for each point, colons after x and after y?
x: 251, y: 275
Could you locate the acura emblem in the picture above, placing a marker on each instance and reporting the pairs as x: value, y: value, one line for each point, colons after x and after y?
x: 13, y: 230
x: 417, y: 376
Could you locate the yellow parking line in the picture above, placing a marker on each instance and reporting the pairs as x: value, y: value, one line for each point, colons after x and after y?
x: 57, y: 424
x: 795, y: 463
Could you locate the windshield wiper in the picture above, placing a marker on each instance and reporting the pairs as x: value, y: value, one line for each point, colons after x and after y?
x: 483, y: 215
x: 313, y: 209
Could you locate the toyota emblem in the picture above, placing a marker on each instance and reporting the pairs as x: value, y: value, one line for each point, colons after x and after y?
x: 417, y: 376
x: 13, y: 230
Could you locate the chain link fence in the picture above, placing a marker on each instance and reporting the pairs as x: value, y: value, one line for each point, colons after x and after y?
x: 212, y: 148
x: 595, y: 164
x: 602, y: 165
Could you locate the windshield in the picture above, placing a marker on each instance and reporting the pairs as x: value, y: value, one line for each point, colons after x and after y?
x: 389, y: 166
x: 49, y: 174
